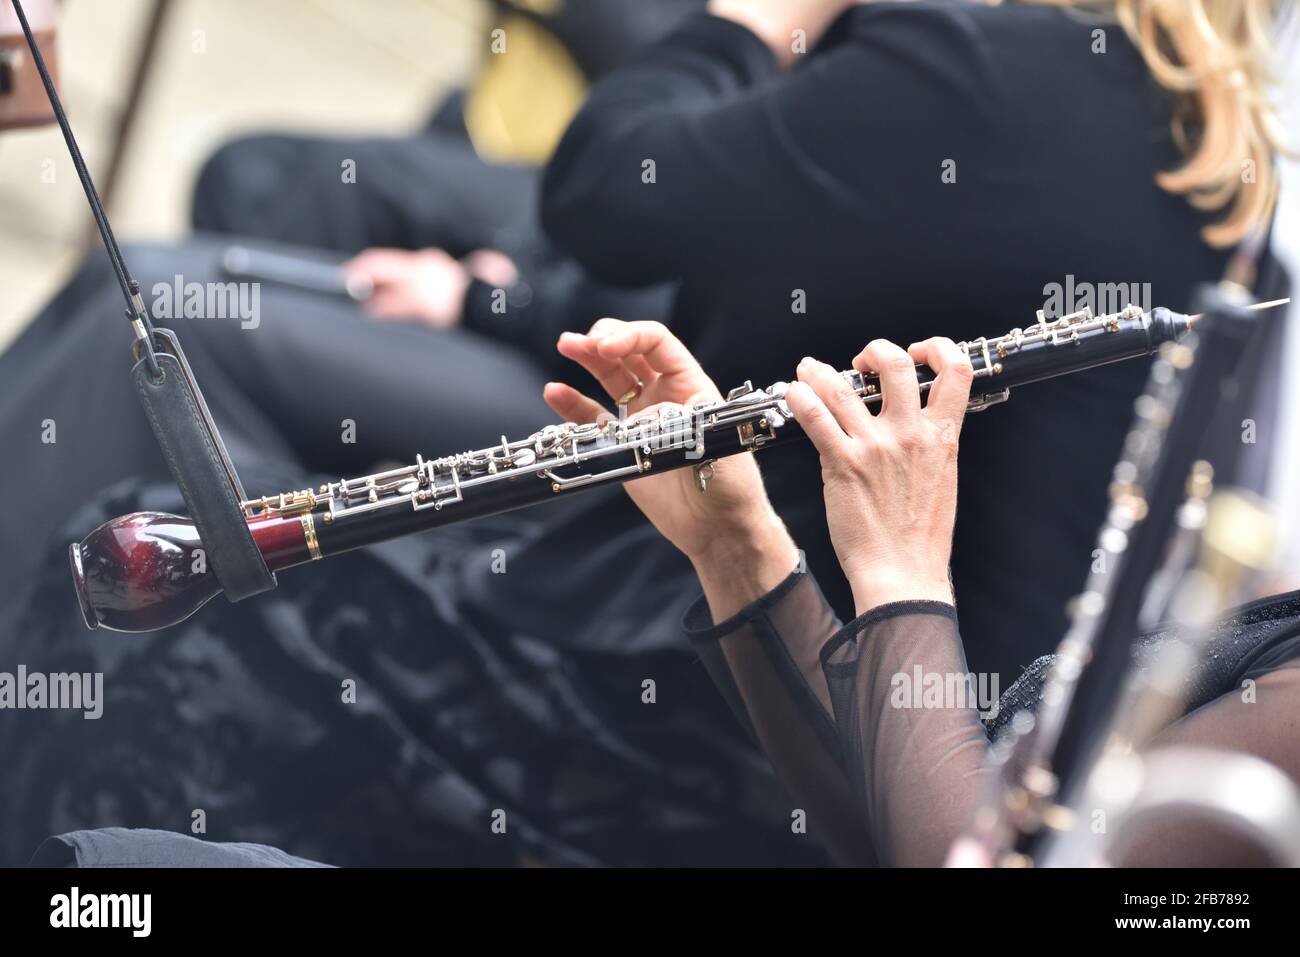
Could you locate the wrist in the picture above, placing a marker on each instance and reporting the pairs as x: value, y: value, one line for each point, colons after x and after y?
x: 871, y: 589
x: 742, y: 564
x: 743, y: 537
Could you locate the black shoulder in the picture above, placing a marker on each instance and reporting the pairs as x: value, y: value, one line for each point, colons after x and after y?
x: 992, y: 50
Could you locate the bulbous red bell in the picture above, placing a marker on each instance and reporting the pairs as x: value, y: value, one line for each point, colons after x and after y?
x: 141, y: 572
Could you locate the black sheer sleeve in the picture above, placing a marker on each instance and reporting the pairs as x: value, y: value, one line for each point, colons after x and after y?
x: 876, y: 728
x: 764, y: 661
x: 907, y: 713
x: 873, y: 727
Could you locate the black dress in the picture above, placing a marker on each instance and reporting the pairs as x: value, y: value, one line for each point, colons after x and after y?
x: 931, y: 168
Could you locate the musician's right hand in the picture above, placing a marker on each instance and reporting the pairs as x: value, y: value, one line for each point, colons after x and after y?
x: 731, y: 533
x: 890, y: 479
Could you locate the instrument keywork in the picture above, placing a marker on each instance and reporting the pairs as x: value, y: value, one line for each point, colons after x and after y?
x: 133, y: 573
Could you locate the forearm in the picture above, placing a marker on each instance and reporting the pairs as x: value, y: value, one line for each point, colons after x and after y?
x: 907, y: 714
x: 763, y: 658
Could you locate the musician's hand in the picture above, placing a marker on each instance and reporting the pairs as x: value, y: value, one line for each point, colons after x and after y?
x: 731, y: 534
x: 891, y: 479
x: 427, y: 285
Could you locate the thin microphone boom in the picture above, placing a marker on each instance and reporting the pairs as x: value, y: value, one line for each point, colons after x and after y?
x: 135, y: 309
x: 134, y: 573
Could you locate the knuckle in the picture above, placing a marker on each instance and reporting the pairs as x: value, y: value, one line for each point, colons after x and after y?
x: 863, y: 458
x: 852, y: 460
x: 898, y: 361
x: 835, y: 470
x: 887, y: 448
x: 939, y: 436
x: 833, y: 461
x: 908, y: 439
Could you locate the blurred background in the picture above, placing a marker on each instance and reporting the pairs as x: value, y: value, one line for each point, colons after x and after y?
x: 220, y: 68
x: 205, y: 71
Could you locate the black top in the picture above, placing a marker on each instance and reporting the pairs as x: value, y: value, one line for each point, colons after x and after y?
x: 828, y: 186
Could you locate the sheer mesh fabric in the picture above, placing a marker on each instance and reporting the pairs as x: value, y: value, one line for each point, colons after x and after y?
x: 881, y: 784
x: 764, y: 661
x: 875, y: 729
x: 906, y: 711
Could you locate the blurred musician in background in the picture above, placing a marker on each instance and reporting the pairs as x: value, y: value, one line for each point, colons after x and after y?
x: 468, y: 299
x: 453, y: 215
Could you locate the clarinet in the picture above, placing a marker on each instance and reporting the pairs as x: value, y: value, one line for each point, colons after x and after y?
x: 137, y: 573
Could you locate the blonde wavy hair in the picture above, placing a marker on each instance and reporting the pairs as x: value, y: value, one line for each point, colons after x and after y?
x: 1218, y: 56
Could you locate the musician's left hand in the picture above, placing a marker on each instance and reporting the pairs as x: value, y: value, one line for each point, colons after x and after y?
x: 426, y: 285
x: 731, y: 533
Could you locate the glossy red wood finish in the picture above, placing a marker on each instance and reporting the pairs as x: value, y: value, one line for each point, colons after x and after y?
x: 281, y: 541
x: 146, y: 570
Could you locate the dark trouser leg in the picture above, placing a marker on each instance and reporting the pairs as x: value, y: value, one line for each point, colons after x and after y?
x: 411, y: 192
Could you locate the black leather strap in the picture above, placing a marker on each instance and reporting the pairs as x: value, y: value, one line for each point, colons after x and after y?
x: 198, y: 461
